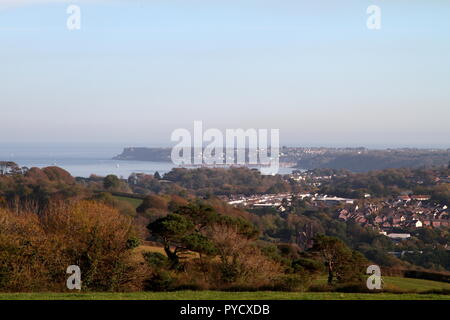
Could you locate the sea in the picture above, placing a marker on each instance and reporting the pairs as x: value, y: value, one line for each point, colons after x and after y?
x: 84, y: 160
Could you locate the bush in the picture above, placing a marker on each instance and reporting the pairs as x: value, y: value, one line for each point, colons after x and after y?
x: 156, y: 260
x: 292, y: 282
x: 160, y: 281
x: 35, y: 250
x: 308, y: 265
x: 442, y: 277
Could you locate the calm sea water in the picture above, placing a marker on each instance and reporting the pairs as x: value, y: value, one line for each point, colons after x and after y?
x: 80, y: 161
x: 83, y: 161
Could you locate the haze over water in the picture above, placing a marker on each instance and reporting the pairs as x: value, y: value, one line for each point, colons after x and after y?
x: 83, y: 160
x: 80, y: 161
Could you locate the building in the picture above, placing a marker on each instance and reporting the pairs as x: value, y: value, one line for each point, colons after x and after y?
x: 420, y: 197
x: 399, y: 236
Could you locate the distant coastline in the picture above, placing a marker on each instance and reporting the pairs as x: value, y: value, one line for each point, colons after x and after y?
x: 354, y: 159
x: 144, y: 154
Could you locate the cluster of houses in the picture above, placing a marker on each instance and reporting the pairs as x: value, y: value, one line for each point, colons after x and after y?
x: 393, y: 218
x: 281, y: 201
x: 309, y: 179
x: 407, y: 212
x: 265, y: 200
x: 442, y: 179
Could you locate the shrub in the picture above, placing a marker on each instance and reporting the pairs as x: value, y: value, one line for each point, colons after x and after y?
x: 292, y: 282
x: 160, y: 281
x: 35, y: 250
x: 156, y: 260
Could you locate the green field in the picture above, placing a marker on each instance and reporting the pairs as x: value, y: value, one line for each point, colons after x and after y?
x: 133, y: 201
x: 214, y: 295
x: 415, y: 286
x: 406, y: 284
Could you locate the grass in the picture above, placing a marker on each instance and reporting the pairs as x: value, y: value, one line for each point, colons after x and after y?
x: 416, y: 285
x: 216, y: 295
x: 405, y: 284
x: 138, y: 252
x: 133, y: 201
x: 150, y: 248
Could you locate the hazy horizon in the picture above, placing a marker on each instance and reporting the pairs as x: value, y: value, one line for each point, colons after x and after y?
x: 138, y: 70
x: 120, y: 146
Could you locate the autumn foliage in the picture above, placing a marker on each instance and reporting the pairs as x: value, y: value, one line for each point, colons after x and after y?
x: 36, y: 249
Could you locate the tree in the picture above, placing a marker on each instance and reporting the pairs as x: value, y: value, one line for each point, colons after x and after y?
x: 172, y: 230
x: 239, y: 259
x: 189, y: 227
x: 181, y: 231
x: 8, y: 167
x: 441, y: 194
x: 157, y: 175
x: 153, y: 202
x: 111, y: 182
x: 341, y: 262
x: 37, y: 248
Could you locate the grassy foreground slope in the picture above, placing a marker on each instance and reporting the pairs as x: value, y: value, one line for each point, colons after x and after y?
x: 214, y: 295
x: 404, y: 284
x: 409, y: 285
x: 415, y: 285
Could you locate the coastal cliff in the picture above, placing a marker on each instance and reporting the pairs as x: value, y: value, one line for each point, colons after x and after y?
x: 145, y: 154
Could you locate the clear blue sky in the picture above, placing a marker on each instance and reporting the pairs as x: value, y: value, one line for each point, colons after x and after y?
x: 137, y: 70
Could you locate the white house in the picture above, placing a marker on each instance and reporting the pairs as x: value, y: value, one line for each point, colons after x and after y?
x: 418, y: 223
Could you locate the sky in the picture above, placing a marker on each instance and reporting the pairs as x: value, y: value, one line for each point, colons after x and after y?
x: 137, y: 70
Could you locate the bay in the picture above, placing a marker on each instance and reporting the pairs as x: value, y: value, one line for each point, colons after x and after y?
x: 83, y: 160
